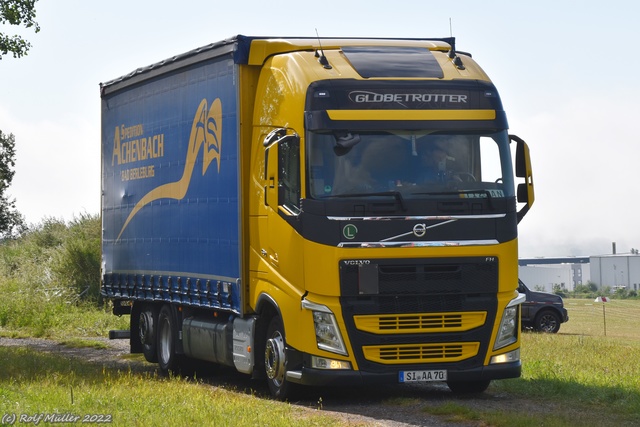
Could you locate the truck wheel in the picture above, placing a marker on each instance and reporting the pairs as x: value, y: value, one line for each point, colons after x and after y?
x: 147, y: 325
x: 468, y: 387
x: 167, y: 337
x: 275, y: 360
x: 547, y: 321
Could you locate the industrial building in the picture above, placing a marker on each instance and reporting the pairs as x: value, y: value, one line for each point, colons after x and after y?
x: 616, y: 271
x: 543, y: 273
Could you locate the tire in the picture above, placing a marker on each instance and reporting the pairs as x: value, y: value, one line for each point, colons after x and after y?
x: 275, y: 360
x: 470, y: 387
x: 547, y: 321
x: 167, y: 338
x: 147, y: 332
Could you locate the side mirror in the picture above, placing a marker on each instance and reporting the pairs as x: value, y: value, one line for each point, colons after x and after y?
x: 525, y: 193
x: 274, y: 192
x: 278, y: 136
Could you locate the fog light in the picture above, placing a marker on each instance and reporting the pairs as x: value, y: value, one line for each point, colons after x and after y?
x: 512, y: 356
x: 324, y: 363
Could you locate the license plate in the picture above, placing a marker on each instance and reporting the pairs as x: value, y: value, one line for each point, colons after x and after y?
x: 418, y: 376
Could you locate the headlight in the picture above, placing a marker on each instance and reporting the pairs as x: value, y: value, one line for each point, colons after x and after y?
x: 508, y: 332
x: 327, y: 332
x: 508, y: 325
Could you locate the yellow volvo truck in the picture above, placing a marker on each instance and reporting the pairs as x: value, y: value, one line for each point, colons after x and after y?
x: 316, y: 211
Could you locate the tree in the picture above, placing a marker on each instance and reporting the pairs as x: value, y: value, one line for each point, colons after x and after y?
x: 11, y: 221
x: 17, y: 12
x: 559, y: 289
x: 12, y: 12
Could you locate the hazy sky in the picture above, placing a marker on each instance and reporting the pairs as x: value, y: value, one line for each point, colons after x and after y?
x: 567, y: 72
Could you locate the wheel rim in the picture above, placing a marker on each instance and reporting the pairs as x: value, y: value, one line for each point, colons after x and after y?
x: 165, y: 341
x: 274, y: 358
x: 144, y: 330
x: 547, y: 323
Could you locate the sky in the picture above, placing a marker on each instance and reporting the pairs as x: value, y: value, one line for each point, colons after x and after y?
x: 567, y: 73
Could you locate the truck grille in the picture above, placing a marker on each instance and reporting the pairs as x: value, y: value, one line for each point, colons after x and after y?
x: 422, y: 353
x: 422, y: 322
x: 409, y: 313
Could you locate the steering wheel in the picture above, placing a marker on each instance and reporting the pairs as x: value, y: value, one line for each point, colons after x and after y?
x: 466, y: 177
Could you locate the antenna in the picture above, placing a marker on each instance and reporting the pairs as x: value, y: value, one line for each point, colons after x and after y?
x: 452, y: 52
x: 457, y: 61
x: 321, y: 58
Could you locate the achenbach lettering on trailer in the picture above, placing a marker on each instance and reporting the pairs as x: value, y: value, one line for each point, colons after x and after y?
x: 126, y: 149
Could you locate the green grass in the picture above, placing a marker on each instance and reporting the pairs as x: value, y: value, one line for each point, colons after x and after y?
x: 587, y: 378
x: 620, y: 317
x: 43, y: 383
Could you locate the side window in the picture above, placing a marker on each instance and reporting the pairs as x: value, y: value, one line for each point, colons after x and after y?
x: 490, y: 160
x: 289, y: 175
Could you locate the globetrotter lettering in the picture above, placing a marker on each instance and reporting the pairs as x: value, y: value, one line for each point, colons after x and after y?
x: 128, y: 150
x: 372, y: 97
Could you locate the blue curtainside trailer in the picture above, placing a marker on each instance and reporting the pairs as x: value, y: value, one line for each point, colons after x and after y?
x: 171, y: 213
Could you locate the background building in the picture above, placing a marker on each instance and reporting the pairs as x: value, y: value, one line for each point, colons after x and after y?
x: 615, y: 271
x: 543, y: 273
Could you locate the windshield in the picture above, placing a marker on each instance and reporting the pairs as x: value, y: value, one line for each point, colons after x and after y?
x: 412, y: 163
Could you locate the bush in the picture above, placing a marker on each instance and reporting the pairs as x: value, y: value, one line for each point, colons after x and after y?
x: 78, y: 261
x: 55, y: 260
x: 50, y: 280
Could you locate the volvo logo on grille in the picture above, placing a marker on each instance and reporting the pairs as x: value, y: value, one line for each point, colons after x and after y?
x: 357, y: 261
x: 419, y: 230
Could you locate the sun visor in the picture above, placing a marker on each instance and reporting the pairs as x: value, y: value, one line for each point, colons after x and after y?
x: 389, y: 61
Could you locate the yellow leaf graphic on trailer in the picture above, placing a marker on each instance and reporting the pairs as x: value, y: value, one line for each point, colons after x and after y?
x: 206, y: 133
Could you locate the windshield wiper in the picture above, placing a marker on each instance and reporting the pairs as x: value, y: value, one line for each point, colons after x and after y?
x: 396, y: 194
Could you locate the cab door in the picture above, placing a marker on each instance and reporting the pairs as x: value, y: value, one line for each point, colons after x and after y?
x: 284, y: 246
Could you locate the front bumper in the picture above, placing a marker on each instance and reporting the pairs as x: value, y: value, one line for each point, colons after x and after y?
x: 322, y: 377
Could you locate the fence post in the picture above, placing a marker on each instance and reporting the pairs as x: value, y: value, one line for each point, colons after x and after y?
x: 603, y: 300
